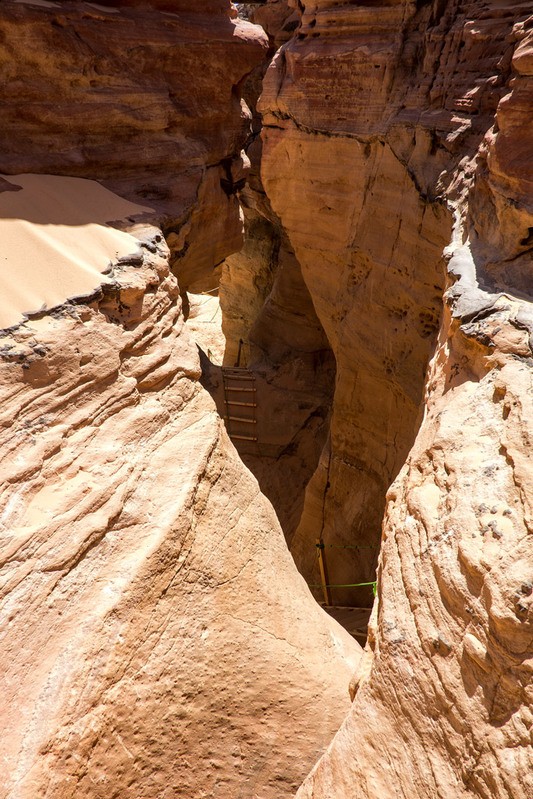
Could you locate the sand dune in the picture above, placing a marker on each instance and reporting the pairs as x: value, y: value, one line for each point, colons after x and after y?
x: 56, y: 241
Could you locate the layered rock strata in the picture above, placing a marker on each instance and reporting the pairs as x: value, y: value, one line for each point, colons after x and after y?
x: 105, y: 91
x: 140, y: 562
x: 353, y: 127
x: 395, y: 155
x: 270, y: 323
x: 156, y: 639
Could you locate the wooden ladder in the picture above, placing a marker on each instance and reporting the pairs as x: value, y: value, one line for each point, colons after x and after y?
x: 240, y: 398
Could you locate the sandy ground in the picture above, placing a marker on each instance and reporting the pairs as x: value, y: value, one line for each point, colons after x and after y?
x: 55, y: 241
x: 205, y: 325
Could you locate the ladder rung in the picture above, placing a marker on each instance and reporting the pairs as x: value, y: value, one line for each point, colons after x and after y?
x: 244, y: 438
x: 238, y: 377
x: 241, y: 419
x: 236, y: 388
x: 245, y: 404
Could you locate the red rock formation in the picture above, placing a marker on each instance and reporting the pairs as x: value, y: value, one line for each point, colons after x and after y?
x: 269, y: 321
x: 395, y: 144
x: 137, y: 123
x: 386, y: 150
x: 156, y: 639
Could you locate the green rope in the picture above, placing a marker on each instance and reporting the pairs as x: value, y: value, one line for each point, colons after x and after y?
x: 346, y: 585
x: 345, y: 546
x: 340, y: 585
x: 373, y: 583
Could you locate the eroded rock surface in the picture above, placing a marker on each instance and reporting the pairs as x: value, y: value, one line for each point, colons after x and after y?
x: 360, y: 147
x: 395, y: 157
x: 125, y: 94
x: 156, y: 639
x: 271, y: 325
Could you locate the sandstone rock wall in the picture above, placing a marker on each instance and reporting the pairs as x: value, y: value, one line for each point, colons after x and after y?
x: 268, y: 315
x: 443, y: 702
x: 154, y: 629
x: 248, y: 276
x: 395, y: 156
x: 359, y: 149
x: 156, y: 639
x: 93, y: 92
x: 271, y: 325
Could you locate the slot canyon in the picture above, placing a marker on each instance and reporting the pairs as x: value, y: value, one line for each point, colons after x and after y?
x: 266, y: 358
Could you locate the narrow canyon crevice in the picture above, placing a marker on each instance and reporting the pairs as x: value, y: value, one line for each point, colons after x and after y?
x: 410, y: 222
x: 271, y: 327
x: 365, y: 354
x: 344, y: 193
x: 391, y: 139
x: 156, y: 638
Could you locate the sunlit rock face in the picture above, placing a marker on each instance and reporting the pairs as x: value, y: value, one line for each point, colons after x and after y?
x: 375, y: 281
x: 147, y: 101
x: 395, y: 157
x: 156, y: 639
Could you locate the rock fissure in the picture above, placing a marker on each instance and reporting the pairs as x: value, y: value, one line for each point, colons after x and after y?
x: 157, y: 638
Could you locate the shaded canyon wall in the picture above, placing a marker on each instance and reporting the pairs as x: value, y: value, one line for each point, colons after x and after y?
x: 270, y: 323
x: 395, y: 154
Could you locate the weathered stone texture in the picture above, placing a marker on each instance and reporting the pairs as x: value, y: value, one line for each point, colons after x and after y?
x: 394, y: 147
x: 278, y: 18
x: 93, y: 92
x: 444, y: 699
x: 156, y: 639
x: 269, y: 318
